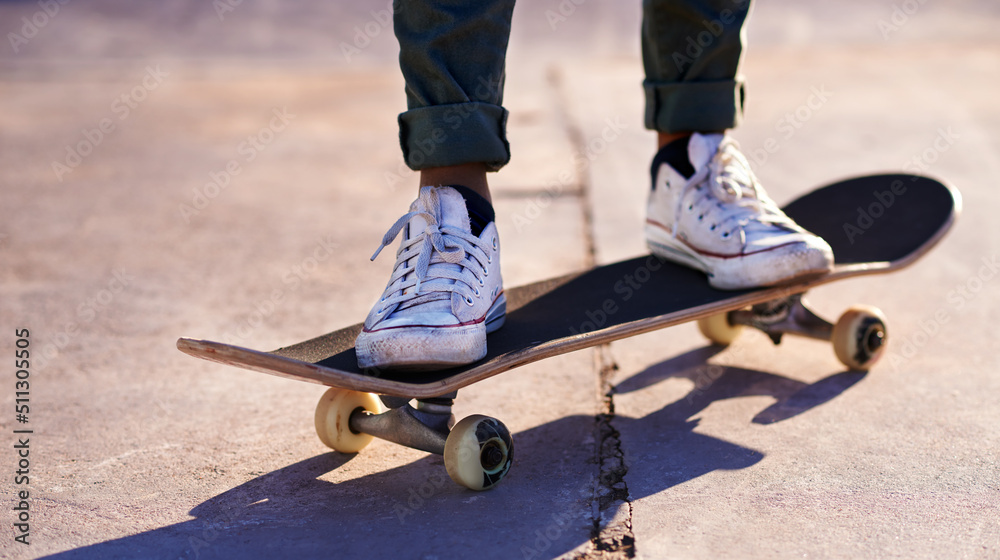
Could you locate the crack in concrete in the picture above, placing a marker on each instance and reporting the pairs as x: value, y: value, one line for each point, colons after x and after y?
x: 611, y: 537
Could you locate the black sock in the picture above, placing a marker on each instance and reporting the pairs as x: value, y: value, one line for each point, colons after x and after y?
x: 480, y: 210
x: 674, y: 154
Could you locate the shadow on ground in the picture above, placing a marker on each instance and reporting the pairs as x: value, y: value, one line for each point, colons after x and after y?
x: 714, y: 382
x: 672, y: 452
x: 543, y: 509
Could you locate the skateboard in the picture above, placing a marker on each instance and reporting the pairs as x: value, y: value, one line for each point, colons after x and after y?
x: 875, y: 224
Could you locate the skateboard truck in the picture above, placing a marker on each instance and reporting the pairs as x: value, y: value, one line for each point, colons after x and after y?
x: 859, y: 337
x: 478, y: 451
x: 425, y: 427
x: 786, y: 315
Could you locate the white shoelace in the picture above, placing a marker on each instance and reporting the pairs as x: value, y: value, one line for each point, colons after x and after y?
x: 434, y: 248
x: 729, y: 194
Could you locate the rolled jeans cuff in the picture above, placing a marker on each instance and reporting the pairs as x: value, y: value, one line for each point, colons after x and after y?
x: 694, y: 106
x: 454, y: 134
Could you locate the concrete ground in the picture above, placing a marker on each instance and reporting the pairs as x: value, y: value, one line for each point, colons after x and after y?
x: 187, y: 169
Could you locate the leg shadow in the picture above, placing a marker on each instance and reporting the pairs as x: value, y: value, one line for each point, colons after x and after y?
x: 663, y: 448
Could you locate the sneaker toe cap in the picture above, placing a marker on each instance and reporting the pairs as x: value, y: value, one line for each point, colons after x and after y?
x: 421, y: 347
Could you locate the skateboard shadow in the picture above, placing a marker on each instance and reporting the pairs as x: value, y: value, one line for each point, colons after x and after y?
x: 714, y: 382
x: 664, y: 450
x: 543, y: 509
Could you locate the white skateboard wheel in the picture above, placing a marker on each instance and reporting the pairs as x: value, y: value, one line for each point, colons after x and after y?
x: 478, y: 452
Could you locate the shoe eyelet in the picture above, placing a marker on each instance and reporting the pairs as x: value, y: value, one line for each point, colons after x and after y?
x: 469, y: 302
x: 691, y: 207
x: 486, y: 272
x: 481, y: 283
x: 494, y: 243
x: 476, y: 291
x: 701, y: 217
x: 712, y: 228
x: 489, y: 259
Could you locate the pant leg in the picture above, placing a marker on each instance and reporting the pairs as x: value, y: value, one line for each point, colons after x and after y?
x: 691, y: 52
x: 452, y: 55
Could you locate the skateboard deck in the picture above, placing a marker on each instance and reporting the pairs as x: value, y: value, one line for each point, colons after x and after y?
x: 875, y: 224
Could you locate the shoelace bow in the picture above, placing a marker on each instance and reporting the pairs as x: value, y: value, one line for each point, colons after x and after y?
x: 434, y: 245
x: 733, y: 189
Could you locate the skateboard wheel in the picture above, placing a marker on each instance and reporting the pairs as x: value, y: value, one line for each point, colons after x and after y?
x: 860, y: 337
x: 718, y: 329
x: 478, y: 452
x: 333, y: 418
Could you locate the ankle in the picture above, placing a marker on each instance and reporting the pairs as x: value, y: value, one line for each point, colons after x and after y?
x: 664, y: 138
x: 469, y: 175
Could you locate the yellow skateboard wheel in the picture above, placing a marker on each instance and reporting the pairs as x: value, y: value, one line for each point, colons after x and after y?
x: 860, y: 337
x: 718, y: 329
x: 333, y: 415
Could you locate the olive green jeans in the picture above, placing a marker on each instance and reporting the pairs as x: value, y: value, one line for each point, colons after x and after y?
x: 452, y: 55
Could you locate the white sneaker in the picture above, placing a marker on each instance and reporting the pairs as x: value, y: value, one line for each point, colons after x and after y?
x: 722, y: 222
x: 445, y: 292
